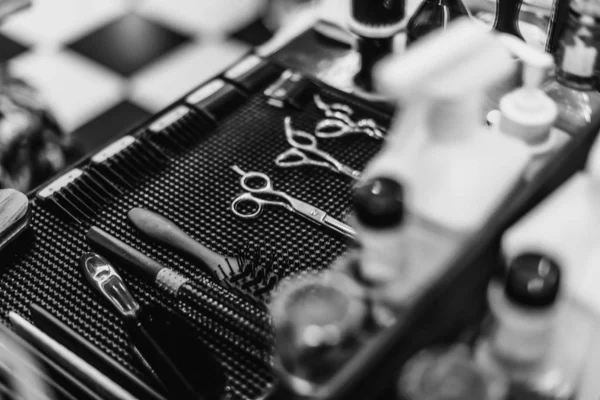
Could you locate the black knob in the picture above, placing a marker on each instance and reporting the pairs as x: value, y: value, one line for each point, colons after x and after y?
x: 533, y: 281
x: 379, y: 203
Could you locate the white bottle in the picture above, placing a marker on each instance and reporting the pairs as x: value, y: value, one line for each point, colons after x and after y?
x: 458, y: 170
x: 528, y: 113
x: 566, y: 227
x: 525, y: 310
x: 399, y: 254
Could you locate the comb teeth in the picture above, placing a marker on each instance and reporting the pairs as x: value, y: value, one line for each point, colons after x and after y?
x: 256, y: 277
x: 80, y: 193
x: 180, y: 128
x: 123, y: 164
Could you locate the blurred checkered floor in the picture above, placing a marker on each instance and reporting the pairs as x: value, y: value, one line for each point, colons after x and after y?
x: 105, y: 65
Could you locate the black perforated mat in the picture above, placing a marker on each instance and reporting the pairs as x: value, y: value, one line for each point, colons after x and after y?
x: 194, y: 189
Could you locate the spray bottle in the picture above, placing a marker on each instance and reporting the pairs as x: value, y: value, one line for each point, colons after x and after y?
x: 456, y: 169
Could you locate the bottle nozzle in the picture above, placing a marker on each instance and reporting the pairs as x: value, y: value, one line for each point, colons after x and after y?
x: 537, y: 62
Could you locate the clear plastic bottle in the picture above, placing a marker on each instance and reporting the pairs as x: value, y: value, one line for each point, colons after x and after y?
x: 576, y: 57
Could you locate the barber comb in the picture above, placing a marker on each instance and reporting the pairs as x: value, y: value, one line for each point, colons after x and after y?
x: 82, y: 192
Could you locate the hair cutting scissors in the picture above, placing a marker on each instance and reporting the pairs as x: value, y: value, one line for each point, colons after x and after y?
x: 339, y: 122
x: 304, y: 144
x: 255, y: 196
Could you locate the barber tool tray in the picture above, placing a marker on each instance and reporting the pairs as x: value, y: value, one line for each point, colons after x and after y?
x: 185, y: 165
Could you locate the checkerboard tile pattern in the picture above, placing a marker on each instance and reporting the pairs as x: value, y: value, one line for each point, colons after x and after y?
x: 106, y: 65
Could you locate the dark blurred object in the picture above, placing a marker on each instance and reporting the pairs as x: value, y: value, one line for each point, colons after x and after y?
x: 577, y: 61
x: 101, y: 385
x: 104, y: 363
x: 14, y: 215
x: 21, y: 376
x: 507, y: 17
x: 375, y: 23
x: 558, y: 21
x: 32, y: 145
x: 432, y: 15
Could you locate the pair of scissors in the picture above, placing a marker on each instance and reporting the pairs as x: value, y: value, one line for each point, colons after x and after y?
x: 304, y: 144
x: 339, y: 122
x: 286, y: 201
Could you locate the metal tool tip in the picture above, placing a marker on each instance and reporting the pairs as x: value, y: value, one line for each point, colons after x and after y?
x: 238, y: 170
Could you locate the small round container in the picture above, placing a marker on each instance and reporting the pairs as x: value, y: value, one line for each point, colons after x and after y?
x: 319, y: 324
x: 448, y: 374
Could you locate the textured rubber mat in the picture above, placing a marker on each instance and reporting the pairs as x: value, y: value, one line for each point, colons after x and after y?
x: 194, y: 188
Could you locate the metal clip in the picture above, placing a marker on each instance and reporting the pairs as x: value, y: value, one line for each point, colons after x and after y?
x: 291, y: 89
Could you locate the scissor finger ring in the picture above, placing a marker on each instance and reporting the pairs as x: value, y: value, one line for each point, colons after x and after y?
x: 248, y: 199
x: 330, y: 128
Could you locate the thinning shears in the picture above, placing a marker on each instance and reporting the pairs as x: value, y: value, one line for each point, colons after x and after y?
x: 304, y: 145
x: 262, y: 187
x: 339, y: 122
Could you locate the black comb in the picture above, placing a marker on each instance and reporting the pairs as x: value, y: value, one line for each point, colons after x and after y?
x: 121, y: 166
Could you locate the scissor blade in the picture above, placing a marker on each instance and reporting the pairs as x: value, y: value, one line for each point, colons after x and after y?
x: 346, y: 170
x: 320, y: 217
x: 339, y: 226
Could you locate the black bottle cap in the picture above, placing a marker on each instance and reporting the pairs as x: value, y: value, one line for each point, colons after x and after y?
x: 533, y: 281
x: 379, y: 203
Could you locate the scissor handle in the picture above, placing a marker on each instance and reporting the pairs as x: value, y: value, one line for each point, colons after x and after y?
x: 286, y: 159
x: 332, y: 128
x: 247, y: 198
x: 256, y: 176
x: 333, y: 107
x: 292, y: 136
x: 371, y: 128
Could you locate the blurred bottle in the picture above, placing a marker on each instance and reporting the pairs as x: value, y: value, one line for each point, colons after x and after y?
x: 449, y: 374
x: 525, y: 314
x: 507, y: 17
x: 527, y: 113
x: 432, y: 15
x: 399, y: 253
x: 379, y: 208
x: 375, y: 23
x: 320, y: 322
x: 506, y: 22
x: 558, y: 20
x: 576, y: 58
